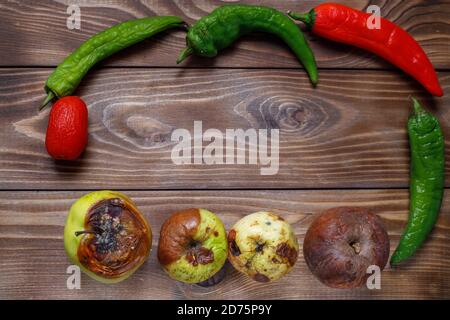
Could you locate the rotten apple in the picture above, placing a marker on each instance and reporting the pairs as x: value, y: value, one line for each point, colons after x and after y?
x: 342, y: 243
x: 192, y: 245
x: 107, y: 236
x: 263, y: 246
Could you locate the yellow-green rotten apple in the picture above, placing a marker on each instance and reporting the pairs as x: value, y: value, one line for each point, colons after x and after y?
x: 107, y: 236
x: 263, y: 246
x: 192, y: 245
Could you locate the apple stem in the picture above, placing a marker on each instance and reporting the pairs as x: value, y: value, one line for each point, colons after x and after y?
x: 78, y: 233
x: 356, y: 246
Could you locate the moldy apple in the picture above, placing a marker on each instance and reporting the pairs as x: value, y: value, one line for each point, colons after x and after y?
x: 263, y: 246
x: 192, y: 245
x: 342, y: 243
x: 107, y: 236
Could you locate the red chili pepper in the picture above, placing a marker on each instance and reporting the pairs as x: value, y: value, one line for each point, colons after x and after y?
x: 67, y: 130
x: 343, y: 24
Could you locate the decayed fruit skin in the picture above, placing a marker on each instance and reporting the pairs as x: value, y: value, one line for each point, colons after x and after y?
x: 67, y: 130
x: 263, y: 246
x: 192, y: 245
x: 107, y: 236
x: 342, y: 243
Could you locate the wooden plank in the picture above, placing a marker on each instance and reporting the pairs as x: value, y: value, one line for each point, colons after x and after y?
x: 34, y: 33
x: 347, y: 133
x: 33, y: 261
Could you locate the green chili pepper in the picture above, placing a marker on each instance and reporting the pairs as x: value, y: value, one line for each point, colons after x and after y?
x: 427, y: 181
x: 225, y: 24
x: 65, y: 79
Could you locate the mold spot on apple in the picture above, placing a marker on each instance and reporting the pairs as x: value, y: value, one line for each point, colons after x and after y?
x: 113, y: 237
x: 261, y: 278
x: 232, y: 245
x: 197, y: 254
x: 284, y: 250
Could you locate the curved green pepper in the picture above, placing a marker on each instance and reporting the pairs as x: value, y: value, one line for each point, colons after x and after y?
x: 427, y: 181
x: 67, y: 76
x: 225, y: 24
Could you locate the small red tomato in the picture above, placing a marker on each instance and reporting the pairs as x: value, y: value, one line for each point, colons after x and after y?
x: 67, y: 130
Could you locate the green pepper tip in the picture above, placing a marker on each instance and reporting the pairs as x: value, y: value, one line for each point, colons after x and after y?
x: 186, y: 52
x: 394, y: 259
x: 314, y: 80
x: 417, y: 107
x: 49, y: 97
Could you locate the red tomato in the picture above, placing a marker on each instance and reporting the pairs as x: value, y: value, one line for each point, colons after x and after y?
x: 67, y: 130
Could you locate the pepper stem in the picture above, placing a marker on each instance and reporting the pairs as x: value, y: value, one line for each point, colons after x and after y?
x: 185, y: 25
x: 50, y: 97
x: 184, y: 54
x: 306, y: 18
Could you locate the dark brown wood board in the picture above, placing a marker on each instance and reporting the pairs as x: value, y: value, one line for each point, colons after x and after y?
x: 35, y: 33
x: 342, y: 143
x: 349, y: 132
x: 34, y: 262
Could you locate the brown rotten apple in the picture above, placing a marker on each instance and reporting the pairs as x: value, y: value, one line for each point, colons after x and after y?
x: 192, y: 245
x: 107, y: 236
x: 263, y: 246
x: 342, y: 243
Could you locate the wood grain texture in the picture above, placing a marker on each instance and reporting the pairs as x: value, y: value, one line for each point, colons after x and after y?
x: 348, y: 133
x: 33, y: 261
x: 34, y: 33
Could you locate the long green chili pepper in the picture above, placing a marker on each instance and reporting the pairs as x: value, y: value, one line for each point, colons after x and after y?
x: 427, y: 181
x: 65, y: 79
x: 225, y: 24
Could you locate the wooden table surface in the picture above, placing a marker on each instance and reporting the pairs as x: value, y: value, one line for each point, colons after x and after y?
x: 343, y: 143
